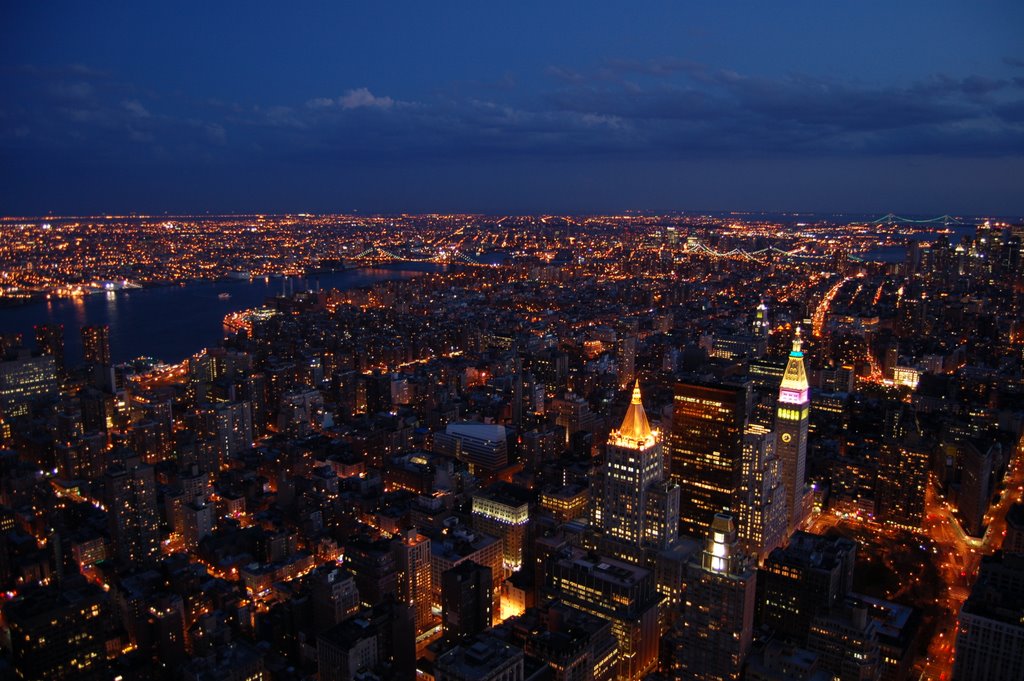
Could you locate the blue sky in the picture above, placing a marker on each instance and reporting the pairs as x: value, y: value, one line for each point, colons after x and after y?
x: 512, y: 107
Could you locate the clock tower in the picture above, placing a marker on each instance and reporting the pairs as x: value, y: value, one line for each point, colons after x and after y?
x: 791, y: 425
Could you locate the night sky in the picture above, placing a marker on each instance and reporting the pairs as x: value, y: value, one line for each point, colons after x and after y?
x: 562, y: 106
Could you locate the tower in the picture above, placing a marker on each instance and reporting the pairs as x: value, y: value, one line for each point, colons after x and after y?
x: 791, y: 418
x: 761, y: 325
x: 96, y: 344
x: 707, y: 450
x: 718, y: 620
x: 631, y: 507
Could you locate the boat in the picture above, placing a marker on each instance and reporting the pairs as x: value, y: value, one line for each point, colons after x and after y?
x: 224, y: 296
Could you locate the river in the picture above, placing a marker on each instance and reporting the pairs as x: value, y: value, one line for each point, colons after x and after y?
x: 173, y: 322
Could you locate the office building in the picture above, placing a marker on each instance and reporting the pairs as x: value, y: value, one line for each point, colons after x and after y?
x: 413, y: 559
x: 483, y: 446
x: 466, y: 601
x: 791, y: 420
x: 26, y: 379
x: 629, y: 503
x: 706, y: 458
x: 811, y: 575
x: 58, y: 633
x: 50, y: 341
x: 990, y: 636
x: 96, y: 345
x: 485, y: 659
x: 621, y: 592
x: 503, y: 510
x: 760, y: 507
x: 718, y: 613
x: 134, y: 521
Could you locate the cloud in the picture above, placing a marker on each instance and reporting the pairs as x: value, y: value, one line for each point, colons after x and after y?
x: 360, y: 98
x: 135, y: 108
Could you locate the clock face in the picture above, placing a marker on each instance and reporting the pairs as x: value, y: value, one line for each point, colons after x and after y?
x: 786, y: 437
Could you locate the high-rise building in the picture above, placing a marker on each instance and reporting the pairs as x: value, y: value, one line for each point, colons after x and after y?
x: 503, y: 510
x: 466, y: 601
x: 135, y: 523
x: 761, y: 325
x: 629, y: 503
x: 625, y: 359
x: 50, y: 341
x: 707, y: 450
x: 57, y: 633
x: 809, y: 576
x: 903, y: 465
x: 25, y: 379
x: 791, y: 420
x: 760, y: 507
x: 412, y: 555
x: 96, y: 344
x: 990, y: 636
x: 718, y: 615
x: 620, y: 592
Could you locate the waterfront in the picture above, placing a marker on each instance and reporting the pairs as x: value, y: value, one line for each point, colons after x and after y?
x: 172, y: 322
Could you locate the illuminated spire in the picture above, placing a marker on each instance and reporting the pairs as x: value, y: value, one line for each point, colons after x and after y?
x: 794, y: 381
x: 634, y: 427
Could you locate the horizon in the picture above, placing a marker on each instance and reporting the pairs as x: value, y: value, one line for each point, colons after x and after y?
x: 581, y: 108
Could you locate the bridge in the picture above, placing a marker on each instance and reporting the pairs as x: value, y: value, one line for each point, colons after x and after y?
x: 454, y: 256
x: 893, y: 219
x: 753, y: 256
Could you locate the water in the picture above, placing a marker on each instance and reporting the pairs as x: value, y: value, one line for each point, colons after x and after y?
x: 173, y: 322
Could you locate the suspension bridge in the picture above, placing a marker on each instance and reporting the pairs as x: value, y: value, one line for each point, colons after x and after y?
x: 454, y: 256
x: 893, y: 219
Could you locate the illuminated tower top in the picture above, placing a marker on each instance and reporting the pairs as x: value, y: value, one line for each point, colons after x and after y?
x: 761, y: 320
x: 794, y: 389
x: 635, y: 432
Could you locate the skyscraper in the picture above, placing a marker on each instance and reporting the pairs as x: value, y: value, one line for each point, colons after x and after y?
x: 135, y: 523
x: 50, y: 341
x: 466, y: 601
x: 620, y: 592
x: 760, y: 505
x: 707, y: 450
x: 412, y: 555
x: 791, y: 419
x: 96, y: 344
x: 630, y: 505
x: 718, y: 617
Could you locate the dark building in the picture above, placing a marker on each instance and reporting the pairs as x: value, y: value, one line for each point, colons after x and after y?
x: 96, y: 345
x: 466, y: 601
x: 718, y: 616
x: 58, y: 633
x: 810, y: 575
x: 990, y: 636
x: 706, y: 454
x: 50, y: 341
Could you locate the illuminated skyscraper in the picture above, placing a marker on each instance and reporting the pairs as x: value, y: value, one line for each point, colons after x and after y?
x: 707, y: 450
x: 632, y: 506
x: 761, y: 324
x: 791, y: 419
x: 620, y: 592
x: 718, y: 617
x: 760, y: 507
x: 96, y: 344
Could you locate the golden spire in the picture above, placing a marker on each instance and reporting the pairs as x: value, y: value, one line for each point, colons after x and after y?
x: 635, y: 426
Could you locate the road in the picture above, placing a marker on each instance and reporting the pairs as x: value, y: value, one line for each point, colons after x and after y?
x: 955, y: 555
